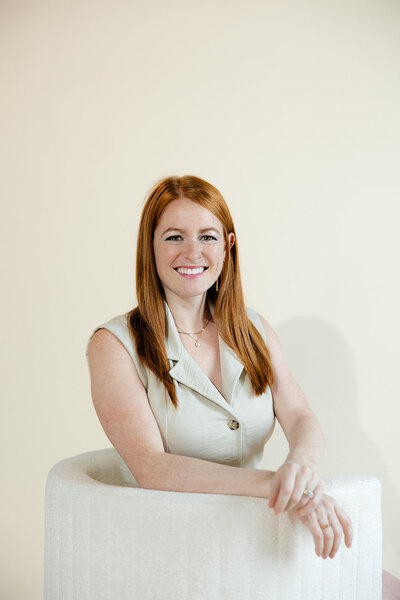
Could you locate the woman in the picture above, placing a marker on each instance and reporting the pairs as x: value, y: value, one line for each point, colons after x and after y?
x: 197, y: 378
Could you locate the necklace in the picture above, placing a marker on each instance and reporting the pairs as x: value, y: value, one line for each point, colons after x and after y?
x: 197, y: 343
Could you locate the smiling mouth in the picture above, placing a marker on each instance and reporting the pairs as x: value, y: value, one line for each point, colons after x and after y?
x: 191, y: 273
x: 191, y: 268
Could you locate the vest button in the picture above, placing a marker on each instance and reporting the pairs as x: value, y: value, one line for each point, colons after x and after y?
x: 233, y: 424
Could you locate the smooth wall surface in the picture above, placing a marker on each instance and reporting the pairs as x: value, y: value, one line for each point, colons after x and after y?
x: 291, y: 110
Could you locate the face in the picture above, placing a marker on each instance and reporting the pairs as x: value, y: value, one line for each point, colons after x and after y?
x: 188, y: 235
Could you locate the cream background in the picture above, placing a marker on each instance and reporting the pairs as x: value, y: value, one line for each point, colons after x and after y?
x: 291, y: 110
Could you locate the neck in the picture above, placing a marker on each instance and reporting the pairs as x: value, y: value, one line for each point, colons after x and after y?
x: 190, y: 314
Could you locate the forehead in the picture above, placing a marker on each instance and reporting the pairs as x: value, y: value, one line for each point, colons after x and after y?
x: 183, y: 211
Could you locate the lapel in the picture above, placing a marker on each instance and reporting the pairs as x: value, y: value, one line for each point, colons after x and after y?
x: 185, y: 369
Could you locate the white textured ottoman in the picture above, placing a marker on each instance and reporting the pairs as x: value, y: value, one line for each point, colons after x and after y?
x: 107, y: 540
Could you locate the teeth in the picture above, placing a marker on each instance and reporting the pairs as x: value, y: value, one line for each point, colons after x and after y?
x: 190, y: 271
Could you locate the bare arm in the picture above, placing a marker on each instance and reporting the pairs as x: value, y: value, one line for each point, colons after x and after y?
x: 121, y: 403
x: 306, y: 440
x: 300, y: 425
x: 303, y: 432
x: 186, y: 474
x: 122, y: 406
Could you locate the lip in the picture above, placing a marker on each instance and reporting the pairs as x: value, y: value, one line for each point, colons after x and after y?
x: 192, y: 276
x: 190, y: 267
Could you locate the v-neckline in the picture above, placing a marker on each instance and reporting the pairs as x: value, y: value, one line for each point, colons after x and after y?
x: 202, y: 370
x: 185, y: 369
x: 211, y: 309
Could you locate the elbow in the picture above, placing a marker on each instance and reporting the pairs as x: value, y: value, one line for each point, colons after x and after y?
x: 149, y: 469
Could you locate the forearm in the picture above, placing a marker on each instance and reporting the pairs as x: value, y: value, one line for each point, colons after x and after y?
x: 306, y: 440
x: 172, y: 472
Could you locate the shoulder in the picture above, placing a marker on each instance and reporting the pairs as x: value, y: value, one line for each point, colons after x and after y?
x: 113, y: 339
x: 268, y: 329
x: 273, y: 342
x: 268, y: 332
x: 113, y: 329
x: 276, y: 351
x: 258, y: 321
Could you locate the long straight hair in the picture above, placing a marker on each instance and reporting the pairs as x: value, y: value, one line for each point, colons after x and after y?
x: 148, y: 322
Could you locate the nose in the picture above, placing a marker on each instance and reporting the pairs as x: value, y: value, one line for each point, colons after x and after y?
x: 193, y: 249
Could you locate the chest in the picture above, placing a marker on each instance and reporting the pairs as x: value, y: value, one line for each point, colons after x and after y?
x: 207, y: 356
x: 231, y: 430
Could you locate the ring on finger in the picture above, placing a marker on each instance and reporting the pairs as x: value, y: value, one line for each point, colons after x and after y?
x: 310, y: 487
x: 334, y: 523
x: 323, y: 522
x: 309, y: 493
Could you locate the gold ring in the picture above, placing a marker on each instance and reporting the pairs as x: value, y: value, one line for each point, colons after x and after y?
x: 324, y: 526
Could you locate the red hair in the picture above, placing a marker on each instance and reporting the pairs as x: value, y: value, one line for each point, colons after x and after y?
x: 147, y: 322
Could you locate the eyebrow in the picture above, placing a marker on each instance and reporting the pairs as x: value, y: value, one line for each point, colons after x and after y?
x: 183, y: 231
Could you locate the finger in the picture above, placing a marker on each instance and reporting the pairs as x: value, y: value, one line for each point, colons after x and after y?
x: 314, y: 501
x: 337, y: 532
x: 304, y: 498
x: 346, y: 524
x: 285, y: 492
x: 304, y: 480
x: 318, y: 536
x: 326, y: 531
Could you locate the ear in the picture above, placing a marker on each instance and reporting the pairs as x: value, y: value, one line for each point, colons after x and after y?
x: 231, y: 237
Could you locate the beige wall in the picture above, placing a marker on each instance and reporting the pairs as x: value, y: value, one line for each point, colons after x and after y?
x: 291, y: 110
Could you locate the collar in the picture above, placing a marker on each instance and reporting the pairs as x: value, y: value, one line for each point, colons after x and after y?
x: 186, y: 370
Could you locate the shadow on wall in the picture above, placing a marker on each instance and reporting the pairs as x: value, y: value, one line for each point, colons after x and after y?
x: 328, y: 378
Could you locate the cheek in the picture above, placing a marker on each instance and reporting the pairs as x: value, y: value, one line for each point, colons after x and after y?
x: 216, y: 257
x: 219, y: 256
x: 165, y: 257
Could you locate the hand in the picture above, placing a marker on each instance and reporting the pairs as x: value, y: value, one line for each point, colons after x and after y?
x: 327, y: 540
x: 288, y: 484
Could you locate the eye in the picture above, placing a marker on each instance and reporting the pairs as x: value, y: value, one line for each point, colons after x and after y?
x: 171, y: 237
